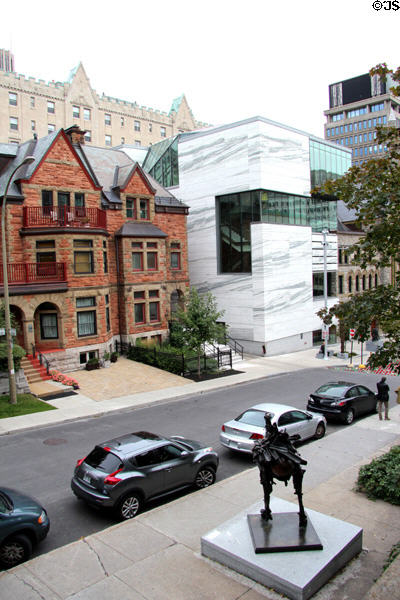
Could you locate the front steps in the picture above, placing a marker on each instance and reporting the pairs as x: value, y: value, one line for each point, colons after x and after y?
x: 34, y: 371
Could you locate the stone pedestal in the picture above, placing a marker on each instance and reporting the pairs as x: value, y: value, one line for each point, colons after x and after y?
x: 297, y: 575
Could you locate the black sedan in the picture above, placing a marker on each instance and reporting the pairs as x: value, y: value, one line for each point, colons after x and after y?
x: 127, y: 471
x: 342, y: 400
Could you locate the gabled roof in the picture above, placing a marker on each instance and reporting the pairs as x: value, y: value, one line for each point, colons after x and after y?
x: 176, y: 104
x: 38, y: 148
x: 109, y: 169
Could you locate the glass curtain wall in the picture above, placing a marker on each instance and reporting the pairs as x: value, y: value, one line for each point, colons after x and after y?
x: 162, y: 162
x: 327, y: 162
x: 237, y: 211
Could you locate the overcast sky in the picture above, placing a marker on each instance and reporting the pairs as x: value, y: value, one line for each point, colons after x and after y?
x: 233, y: 59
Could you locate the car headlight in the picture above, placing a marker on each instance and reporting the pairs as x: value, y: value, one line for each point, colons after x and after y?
x: 311, y: 400
x: 43, y: 517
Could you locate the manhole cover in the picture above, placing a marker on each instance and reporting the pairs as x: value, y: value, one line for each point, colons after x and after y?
x: 54, y: 441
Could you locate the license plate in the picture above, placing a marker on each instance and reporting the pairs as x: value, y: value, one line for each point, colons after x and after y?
x: 86, y: 478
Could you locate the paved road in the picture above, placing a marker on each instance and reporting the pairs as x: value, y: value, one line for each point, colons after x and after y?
x: 41, y: 461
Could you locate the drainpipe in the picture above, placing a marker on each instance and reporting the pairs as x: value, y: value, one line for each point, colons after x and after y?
x: 118, y: 289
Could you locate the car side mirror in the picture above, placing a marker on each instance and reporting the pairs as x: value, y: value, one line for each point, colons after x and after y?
x: 184, y: 454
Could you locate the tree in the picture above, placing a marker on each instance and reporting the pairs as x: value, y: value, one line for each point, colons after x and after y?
x: 196, y: 324
x: 372, y: 190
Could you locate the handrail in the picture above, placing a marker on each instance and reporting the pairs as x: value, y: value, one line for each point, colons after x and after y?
x: 44, y: 272
x: 64, y: 216
x: 236, y: 347
x: 42, y: 358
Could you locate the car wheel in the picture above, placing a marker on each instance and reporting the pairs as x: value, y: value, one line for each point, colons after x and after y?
x: 349, y: 416
x: 204, y: 478
x: 320, y: 431
x: 15, y: 550
x: 129, y: 506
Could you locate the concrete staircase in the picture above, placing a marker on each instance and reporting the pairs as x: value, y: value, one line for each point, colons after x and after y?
x: 209, y: 350
x: 34, y: 371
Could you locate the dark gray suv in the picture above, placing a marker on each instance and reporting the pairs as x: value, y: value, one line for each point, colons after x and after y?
x: 23, y: 523
x: 127, y: 471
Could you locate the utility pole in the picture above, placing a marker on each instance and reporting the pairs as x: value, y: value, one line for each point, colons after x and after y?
x: 7, y: 316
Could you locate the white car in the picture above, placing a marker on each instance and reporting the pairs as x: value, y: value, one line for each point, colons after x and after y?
x: 241, y: 433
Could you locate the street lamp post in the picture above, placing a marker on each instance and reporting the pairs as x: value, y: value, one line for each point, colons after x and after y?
x: 325, y: 245
x: 7, y: 317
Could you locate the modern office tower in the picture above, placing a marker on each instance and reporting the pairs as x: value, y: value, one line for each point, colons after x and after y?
x: 357, y: 106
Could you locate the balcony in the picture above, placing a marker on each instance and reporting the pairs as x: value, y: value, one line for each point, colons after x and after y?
x: 33, y: 273
x: 49, y: 216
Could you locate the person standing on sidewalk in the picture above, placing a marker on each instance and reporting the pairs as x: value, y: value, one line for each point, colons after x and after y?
x: 383, y: 398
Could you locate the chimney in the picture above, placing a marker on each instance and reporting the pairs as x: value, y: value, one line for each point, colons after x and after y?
x: 76, y: 134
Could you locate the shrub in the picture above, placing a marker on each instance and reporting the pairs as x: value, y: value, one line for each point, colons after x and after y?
x: 114, y: 356
x: 380, y: 479
x: 18, y: 353
x: 92, y: 364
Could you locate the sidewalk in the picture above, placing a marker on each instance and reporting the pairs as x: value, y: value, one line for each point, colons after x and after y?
x: 157, y: 555
x: 127, y: 384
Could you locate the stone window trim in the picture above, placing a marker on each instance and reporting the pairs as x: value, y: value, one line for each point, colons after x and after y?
x: 139, y: 207
x: 86, y: 323
x: 176, y: 261
x: 139, y: 312
x: 13, y: 123
x: 175, y: 256
x: 12, y: 99
x: 83, y: 258
x: 149, y: 302
x: 152, y: 261
x: 154, y: 312
x: 49, y: 330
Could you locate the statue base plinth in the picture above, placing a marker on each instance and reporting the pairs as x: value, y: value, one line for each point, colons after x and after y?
x: 282, y: 534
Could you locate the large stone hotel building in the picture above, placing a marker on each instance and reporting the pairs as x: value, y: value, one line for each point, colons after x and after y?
x: 33, y: 108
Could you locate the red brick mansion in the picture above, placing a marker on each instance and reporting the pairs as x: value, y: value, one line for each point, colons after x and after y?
x: 96, y: 248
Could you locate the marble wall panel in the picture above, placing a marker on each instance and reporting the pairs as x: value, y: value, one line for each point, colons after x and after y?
x: 282, y: 280
x: 250, y: 155
x: 281, y: 159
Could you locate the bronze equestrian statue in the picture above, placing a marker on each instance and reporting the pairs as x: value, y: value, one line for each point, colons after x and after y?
x: 277, y: 458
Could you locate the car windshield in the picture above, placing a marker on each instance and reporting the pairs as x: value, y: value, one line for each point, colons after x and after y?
x: 332, y: 389
x: 253, y: 417
x: 104, y: 460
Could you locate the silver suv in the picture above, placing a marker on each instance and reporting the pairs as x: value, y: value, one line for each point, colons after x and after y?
x: 127, y: 471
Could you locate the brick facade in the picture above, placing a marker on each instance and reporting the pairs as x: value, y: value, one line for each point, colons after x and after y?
x: 79, y: 288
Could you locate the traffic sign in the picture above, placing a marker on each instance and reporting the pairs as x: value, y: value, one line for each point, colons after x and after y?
x: 352, y: 332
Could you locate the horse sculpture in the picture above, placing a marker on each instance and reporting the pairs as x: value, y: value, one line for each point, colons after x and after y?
x: 277, y: 458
